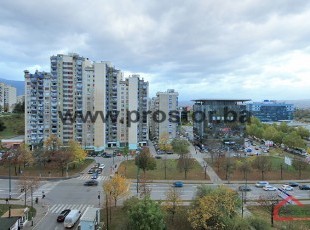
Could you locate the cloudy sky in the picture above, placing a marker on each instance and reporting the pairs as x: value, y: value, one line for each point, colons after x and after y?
x: 204, y: 49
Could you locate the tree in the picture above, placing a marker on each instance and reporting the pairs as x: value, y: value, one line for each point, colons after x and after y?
x: 299, y: 165
x: 185, y: 163
x: 263, y: 164
x: 146, y: 214
x: 125, y: 151
x: 267, y: 202
x: 145, y: 161
x: 2, y: 126
x: 228, y: 167
x: 26, y: 182
x: 78, y: 153
x: 212, y: 210
x: 25, y: 155
x: 173, y: 202
x: 293, y: 140
x: 60, y: 158
x: 19, y: 107
x: 53, y: 143
x: 116, y: 187
x: 203, y: 190
x: 303, y: 132
x: 163, y: 142
x: 245, y: 167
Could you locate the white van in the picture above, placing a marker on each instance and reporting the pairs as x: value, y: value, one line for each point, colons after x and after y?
x: 72, y: 218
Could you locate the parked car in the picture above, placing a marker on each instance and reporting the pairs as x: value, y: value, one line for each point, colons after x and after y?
x: 72, y: 218
x: 244, y: 188
x: 292, y: 184
x: 261, y: 184
x: 91, y: 171
x: 61, y: 217
x: 304, y: 187
x: 169, y: 152
x: 287, y: 187
x: 269, y: 188
x: 91, y: 183
x: 158, y: 157
x: 178, y: 184
x: 108, y: 155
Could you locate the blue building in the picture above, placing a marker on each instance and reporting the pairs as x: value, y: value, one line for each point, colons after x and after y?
x: 270, y: 111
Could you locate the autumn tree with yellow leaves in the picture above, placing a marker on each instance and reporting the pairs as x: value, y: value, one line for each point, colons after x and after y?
x: 116, y: 187
x: 164, y: 143
x: 173, y: 202
x: 78, y: 153
x: 214, y: 209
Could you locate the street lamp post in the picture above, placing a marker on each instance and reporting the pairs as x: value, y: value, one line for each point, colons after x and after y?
x: 10, y: 192
x: 205, y: 167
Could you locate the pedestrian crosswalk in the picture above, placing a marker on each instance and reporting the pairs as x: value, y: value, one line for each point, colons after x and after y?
x: 88, y: 177
x: 57, y: 208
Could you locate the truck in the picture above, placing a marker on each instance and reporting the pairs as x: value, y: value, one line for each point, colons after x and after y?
x: 90, y: 219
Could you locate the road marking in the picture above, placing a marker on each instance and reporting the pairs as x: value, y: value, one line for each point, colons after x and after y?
x: 57, y: 208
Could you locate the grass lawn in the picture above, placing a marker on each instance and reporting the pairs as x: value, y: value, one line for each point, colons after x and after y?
x: 15, y: 125
x: 129, y: 170
x: 288, y: 172
x: 5, y: 207
x: 119, y: 220
x: 291, y: 210
x: 44, y: 171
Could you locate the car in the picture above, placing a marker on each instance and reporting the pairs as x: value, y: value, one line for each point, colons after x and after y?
x: 108, y: 155
x: 91, y: 183
x: 94, y: 176
x: 304, y: 187
x: 292, y: 184
x: 269, y: 188
x: 102, y: 166
x: 244, y: 188
x: 61, y: 217
x: 118, y: 154
x: 287, y: 187
x: 178, y: 184
x: 91, y: 171
x: 103, y: 154
x: 261, y: 184
x: 99, y: 171
x: 169, y: 152
x: 158, y: 157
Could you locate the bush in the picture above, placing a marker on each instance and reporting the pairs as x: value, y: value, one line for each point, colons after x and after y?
x: 258, y: 224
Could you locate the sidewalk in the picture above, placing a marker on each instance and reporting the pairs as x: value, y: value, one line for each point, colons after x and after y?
x: 41, y: 210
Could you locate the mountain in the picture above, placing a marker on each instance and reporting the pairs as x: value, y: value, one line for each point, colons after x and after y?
x: 19, y: 85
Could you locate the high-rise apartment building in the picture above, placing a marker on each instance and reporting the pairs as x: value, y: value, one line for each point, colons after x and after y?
x: 40, y: 107
x: 133, y: 98
x: 7, y: 97
x: 86, y: 100
x: 165, y: 104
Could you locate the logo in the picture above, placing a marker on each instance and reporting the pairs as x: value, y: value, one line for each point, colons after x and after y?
x: 289, y: 199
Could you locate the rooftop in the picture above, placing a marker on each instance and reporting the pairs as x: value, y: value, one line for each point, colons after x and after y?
x: 204, y: 100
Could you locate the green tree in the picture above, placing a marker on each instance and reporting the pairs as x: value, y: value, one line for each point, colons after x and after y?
x: 146, y: 214
x: 125, y: 151
x: 245, y: 167
x: 303, y: 132
x: 181, y: 147
x: 270, y: 133
x: 203, y: 190
x: 299, y: 165
x: 293, y: 140
x: 19, y: 107
x: 263, y: 164
x: 228, y: 167
x: 2, y: 126
x: 145, y: 161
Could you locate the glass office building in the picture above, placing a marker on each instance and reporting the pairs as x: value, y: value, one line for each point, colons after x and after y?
x: 271, y: 111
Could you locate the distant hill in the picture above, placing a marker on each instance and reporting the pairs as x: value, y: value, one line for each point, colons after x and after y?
x: 19, y: 85
x: 299, y: 104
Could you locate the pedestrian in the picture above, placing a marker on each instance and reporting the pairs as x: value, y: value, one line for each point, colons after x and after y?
x: 37, y: 200
x: 6, y: 200
x: 43, y: 195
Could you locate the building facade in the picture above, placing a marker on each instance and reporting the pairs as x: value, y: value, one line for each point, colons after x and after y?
x: 164, y: 106
x: 217, y: 118
x: 271, y: 111
x: 83, y: 101
x: 8, y: 97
